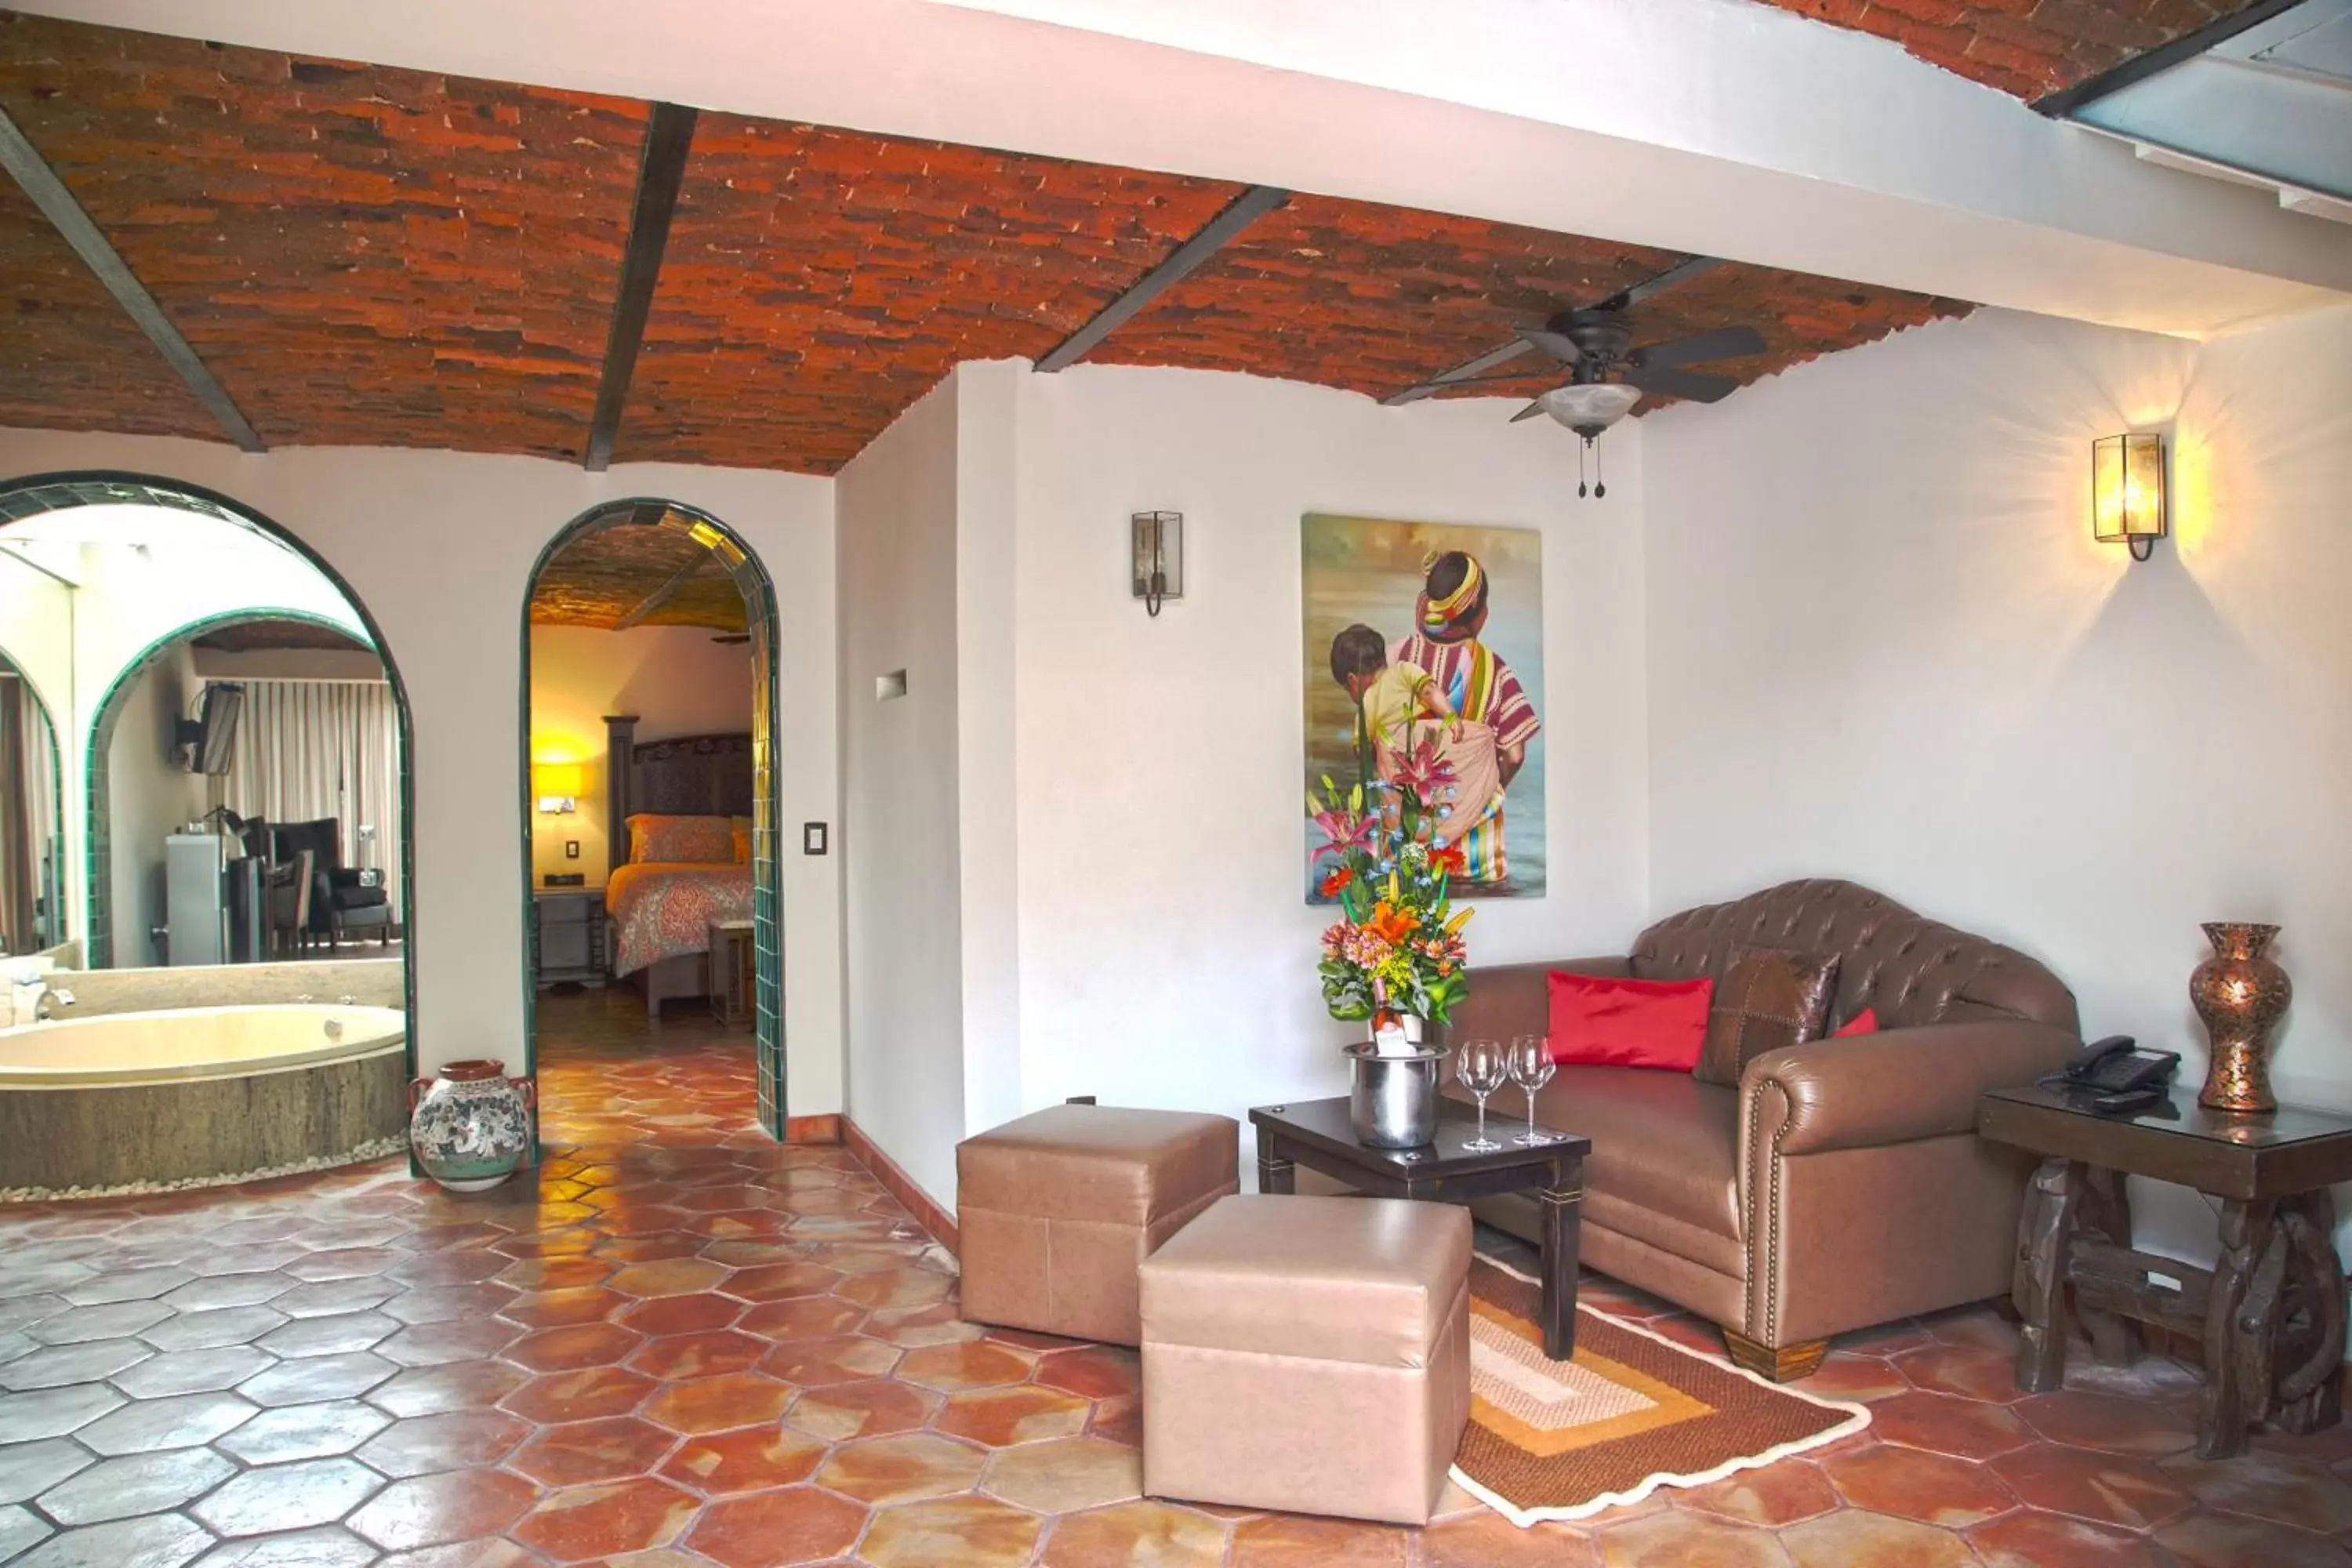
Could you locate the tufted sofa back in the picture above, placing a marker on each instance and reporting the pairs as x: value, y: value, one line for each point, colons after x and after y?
x: 1911, y: 970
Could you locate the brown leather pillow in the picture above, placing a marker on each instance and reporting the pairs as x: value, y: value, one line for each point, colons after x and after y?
x: 1769, y: 998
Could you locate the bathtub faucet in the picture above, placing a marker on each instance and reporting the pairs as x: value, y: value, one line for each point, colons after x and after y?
x: 52, y: 997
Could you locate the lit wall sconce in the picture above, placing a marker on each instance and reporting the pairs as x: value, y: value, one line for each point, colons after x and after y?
x: 557, y: 786
x: 2127, y: 492
x: 1158, y: 557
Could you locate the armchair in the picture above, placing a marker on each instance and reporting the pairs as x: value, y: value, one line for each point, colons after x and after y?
x: 1841, y: 1183
x: 344, y: 900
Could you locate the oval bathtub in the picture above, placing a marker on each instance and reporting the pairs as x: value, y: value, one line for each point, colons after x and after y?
x: 197, y: 1093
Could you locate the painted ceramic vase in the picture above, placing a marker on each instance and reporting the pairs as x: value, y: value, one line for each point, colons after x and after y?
x: 2240, y: 994
x: 470, y: 1127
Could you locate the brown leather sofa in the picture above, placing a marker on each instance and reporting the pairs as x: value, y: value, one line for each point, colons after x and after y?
x: 1843, y: 1182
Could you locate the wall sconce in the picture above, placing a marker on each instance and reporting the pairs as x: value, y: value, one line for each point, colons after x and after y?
x: 2127, y: 492
x: 1158, y: 557
x: 557, y: 786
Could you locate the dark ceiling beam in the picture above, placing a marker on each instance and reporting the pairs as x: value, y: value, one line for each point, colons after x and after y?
x: 663, y: 169
x: 40, y: 181
x: 1240, y: 213
x: 1503, y: 354
x: 2062, y: 103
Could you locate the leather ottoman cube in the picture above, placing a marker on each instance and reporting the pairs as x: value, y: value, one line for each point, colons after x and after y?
x: 1056, y: 1210
x: 1309, y: 1355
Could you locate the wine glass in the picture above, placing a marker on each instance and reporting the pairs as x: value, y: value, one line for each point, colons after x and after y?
x: 1531, y: 1068
x: 1480, y: 1067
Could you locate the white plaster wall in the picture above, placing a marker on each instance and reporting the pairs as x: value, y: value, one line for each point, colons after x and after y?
x: 902, y: 916
x: 674, y: 679
x: 1882, y: 644
x: 439, y: 546
x: 150, y: 793
x: 1167, y: 957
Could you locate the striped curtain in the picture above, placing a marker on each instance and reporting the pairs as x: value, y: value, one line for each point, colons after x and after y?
x: 312, y: 749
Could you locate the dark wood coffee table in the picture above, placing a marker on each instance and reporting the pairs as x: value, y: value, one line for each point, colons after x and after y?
x: 2271, y: 1314
x: 1314, y: 1133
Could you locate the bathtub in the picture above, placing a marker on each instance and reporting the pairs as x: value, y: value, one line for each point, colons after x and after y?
x: 197, y: 1093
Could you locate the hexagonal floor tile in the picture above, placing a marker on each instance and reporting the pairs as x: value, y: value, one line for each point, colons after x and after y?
x: 581, y: 1395
x: 2029, y: 1539
x: 429, y: 1511
x: 1291, y: 1541
x: 831, y: 1358
x: 287, y: 1497
x: 772, y: 1528
x: 183, y: 1421
x: 127, y: 1285
x: 317, y: 1378
x: 564, y: 1308
x: 902, y: 1287
x: 58, y: 1366
x: 602, y: 1450
x: 305, y: 1432
x: 971, y: 1531
x: 2269, y: 1486
x: 440, y: 1344
x: 116, y: 1320
x: 28, y: 1470
x: 192, y: 1371
x: 468, y: 1385
x: 1960, y: 1427
x: 962, y: 1367
x: 1064, y: 1475
x: 660, y: 1315
x: 452, y: 1440
x: 1968, y: 1371
x: 800, y: 1318
x: 1771, y: 1495
x: 1913, y: 1483
x: 142, y: 1483
x: 2103, y: 1421
x: 1851, y: 1538
x: 583, y: 1522
x: 330, y: 1298
x: 675, y: 1357
x: 903, y: 1468
x: 2223, y: 1541
x: 20, y: 1530
x: 1096, y: 1372
x: 753, y: 1458
x: 1147, y: 1533
x: 875, y: 1407
x: 1483, y: 1540
x: 209, y: 1330
x: 151, y: 1540
x: 939, y: 1324
x: 331, y: 1334
x: 668, y: 1277
x: 329, y: 1546
x: 716, y: 1404
x: 2107, y: 1489
x: 779, y: 1281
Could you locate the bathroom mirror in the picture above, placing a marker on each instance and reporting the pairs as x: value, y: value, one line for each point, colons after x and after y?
x: 225, y: 773
x: 32, y: 830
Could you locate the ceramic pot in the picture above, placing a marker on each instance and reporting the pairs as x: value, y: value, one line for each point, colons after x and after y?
x: 1392, y: 1100
x: 470, y: 1127
x: 2240, y: 994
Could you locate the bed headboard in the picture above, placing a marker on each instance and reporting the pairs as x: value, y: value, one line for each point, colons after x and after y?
x: 694, y: 776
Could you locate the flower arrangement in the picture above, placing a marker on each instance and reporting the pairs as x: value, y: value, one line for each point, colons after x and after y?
x: 1399, y: 948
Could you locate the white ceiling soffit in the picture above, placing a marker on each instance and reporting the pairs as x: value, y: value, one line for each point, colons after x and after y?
x: 2272, y: 103
x: 1712, y: 126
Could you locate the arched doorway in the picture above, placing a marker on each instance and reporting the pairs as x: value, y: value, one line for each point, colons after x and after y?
x: 37, y: 496
x: 683, y: 551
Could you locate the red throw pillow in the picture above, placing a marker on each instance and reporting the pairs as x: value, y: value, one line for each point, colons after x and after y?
x: 1863, y: 1023
x: 1605, y: 1021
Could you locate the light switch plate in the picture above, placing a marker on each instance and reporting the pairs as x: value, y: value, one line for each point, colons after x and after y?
x: 572, y: 849
x: 812, y: 838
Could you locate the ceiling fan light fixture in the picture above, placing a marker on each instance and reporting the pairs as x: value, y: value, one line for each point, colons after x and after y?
x: 1591, y: 407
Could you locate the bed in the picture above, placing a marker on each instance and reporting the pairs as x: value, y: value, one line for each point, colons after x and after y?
x: 658, y: 906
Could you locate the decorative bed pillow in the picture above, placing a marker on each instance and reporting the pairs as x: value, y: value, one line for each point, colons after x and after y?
x: 741, y: 828
x: 681, y: 840
x: 1769, y: 998
x: 1603, y: 1021
x: 1863, y: 1023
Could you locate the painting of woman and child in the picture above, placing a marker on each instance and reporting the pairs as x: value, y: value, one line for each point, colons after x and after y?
x: 1427, y: 639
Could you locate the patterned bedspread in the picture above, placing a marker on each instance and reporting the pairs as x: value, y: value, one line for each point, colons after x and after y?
x: 660, y: 910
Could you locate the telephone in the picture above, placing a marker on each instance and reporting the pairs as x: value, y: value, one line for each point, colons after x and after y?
x: 2117, y: 1066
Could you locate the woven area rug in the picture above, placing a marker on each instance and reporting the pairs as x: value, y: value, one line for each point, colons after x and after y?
x: 1630, y: 1412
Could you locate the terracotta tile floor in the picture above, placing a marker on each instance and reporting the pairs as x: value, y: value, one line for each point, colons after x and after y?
x: 684, y: 1345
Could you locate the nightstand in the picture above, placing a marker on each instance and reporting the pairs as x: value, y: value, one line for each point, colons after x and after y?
x: 568, y: 936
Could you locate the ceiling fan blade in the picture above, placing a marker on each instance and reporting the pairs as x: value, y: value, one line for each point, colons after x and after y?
x: 1697, y: 385
x: 1724, y: 342
x: 1530, y: 412
x: 1557, y: 344
x: 1443, y: 385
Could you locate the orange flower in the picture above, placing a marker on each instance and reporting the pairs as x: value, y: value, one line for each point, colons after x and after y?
x: 1336, y: 880
x: 1450, y: 860
x: 1391, y: 924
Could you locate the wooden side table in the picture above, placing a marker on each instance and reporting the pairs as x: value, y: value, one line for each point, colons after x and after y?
x: 2271, y: 1313
x: 734, y: 982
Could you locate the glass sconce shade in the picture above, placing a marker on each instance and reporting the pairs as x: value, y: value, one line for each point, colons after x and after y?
x: 1158, y: 550
x: 557, y: 786
x: 2128, y: 492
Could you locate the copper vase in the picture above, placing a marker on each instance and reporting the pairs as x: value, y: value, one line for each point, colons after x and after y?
x: 2241, y: 996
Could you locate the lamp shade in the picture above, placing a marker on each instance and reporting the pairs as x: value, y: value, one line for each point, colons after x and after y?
x: 2128, y: 492
x: 570, y: 778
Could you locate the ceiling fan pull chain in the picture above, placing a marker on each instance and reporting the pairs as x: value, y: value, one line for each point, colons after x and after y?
x: 1580, y: 446
x: 1599, y: 485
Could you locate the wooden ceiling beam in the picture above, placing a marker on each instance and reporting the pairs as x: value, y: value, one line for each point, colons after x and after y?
x: 1242, y: 211
x: 661, y: 596
x: 668, y: 140
x: 24, y: 160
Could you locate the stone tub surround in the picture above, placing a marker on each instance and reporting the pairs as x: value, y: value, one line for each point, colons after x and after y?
x: 370, y: 981
x: 688, y: 1341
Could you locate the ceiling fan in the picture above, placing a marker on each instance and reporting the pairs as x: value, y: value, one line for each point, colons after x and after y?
x: 1608, y: 374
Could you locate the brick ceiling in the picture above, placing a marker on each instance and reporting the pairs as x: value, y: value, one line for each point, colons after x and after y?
x: 268, y: 635
x: 601, y: 577
x: 366, y: 256
x: 2026, y: 48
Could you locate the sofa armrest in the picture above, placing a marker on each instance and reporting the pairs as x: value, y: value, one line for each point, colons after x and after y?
x: 1898, y: 1085
x: 1508, y: 999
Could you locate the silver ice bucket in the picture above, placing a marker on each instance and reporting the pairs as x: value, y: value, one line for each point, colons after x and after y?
x: 1393, y: 1101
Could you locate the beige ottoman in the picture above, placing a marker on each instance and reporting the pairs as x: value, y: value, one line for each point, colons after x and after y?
x: 1308, y: 1354
x: 1054, y: 1211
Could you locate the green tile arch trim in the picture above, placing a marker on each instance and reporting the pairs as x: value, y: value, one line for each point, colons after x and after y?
x: 52, y: 924
x: 752, y: 578
x: 34, y: 494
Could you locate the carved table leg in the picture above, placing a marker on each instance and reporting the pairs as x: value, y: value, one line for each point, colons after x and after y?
x: 1275, y: 1174
x: 2039, y: 1286
x: 2239, y: 1321
x: 2106, y: 1212
x: 1562, y: 1207
x: 2309, y: 1394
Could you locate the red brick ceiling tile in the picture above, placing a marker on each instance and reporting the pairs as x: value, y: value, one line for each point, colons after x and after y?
x: 73, y: 359
x: 363, y: 256
x: 818, y: 281
x: 2025, y: 47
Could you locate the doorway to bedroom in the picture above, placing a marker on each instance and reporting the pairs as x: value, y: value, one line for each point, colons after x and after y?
x: 653, y: 939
